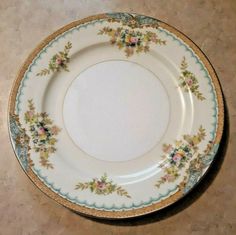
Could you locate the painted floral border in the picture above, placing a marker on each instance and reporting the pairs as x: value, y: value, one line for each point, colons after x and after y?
x: 133, y: 20
x: 20, y: 142
x: 102, y: 186
x: 131, y: 40
x: 43, y: 133
x: 198, y: 165
x: 188, y: 81
x: 58, y: 61
x: 178, y: 156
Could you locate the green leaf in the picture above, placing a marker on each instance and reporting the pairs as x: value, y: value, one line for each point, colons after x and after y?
x: 43, y: 72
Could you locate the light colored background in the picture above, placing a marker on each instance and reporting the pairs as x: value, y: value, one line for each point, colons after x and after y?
x: 209, y: 209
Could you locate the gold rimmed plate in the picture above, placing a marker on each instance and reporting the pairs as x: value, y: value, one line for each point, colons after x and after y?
x: 116, y: 115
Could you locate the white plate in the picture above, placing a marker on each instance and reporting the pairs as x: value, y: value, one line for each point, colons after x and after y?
x: 116, y: 115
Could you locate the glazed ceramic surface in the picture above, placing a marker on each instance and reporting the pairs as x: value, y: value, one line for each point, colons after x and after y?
x: 116, y: 115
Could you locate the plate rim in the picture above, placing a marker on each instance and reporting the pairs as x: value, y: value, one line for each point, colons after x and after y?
x: 92, y: 212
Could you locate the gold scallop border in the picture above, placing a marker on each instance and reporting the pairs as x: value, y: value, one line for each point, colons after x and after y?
x: 125, y: 213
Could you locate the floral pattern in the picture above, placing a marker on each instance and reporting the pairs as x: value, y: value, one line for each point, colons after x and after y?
x: 198, y: 165
x: 131, y: 40
x: 20, y: 142
x: 102, y: 186
x: 188, y: 81
x: 178, y: 155
x: 133, y: 20
x: 58, y: 62
x: 43, y: 134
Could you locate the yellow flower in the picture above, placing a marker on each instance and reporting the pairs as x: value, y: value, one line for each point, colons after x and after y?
x: 127, y: 38
x: 181, y: 152
x: 52, y: 141
x: 43, y: 137
x: 195, y: 140
x: 145, y: 38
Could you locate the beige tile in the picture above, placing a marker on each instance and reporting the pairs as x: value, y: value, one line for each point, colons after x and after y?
x: 210, y: 209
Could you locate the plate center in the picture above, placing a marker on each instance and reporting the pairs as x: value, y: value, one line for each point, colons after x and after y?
x: 116, y: 110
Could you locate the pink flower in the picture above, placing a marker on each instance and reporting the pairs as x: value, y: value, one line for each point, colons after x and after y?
x: 59, y: 61
x: 177, y: 157
x: 133, y: 40
x: 190, y: 82
x: 41, y: 131
x: 101, y: 185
